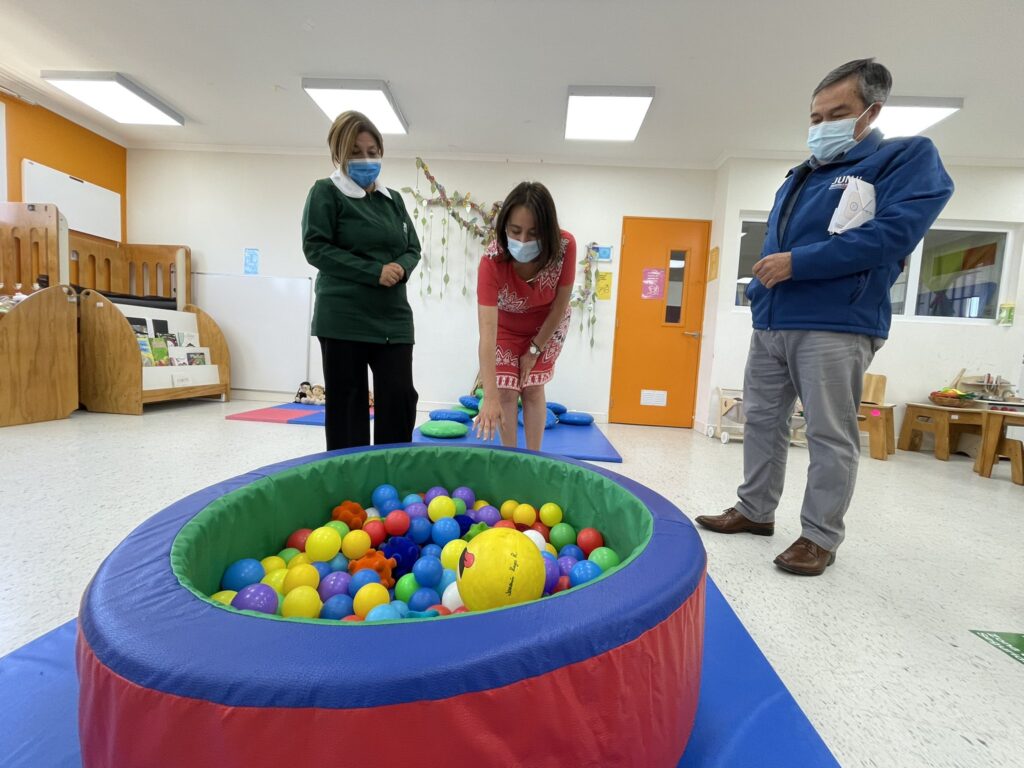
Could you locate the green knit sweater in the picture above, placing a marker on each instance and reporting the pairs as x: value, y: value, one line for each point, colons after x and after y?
x: 349, y: 240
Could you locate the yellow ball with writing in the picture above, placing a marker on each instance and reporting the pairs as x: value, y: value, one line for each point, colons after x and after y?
x: 500, y: 567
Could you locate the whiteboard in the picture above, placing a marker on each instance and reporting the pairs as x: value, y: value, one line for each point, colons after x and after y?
x: 265, y: 321
x: 87, y: 207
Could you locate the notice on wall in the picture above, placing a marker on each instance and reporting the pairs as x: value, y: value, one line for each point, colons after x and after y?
x: 251, y: 257
x: 652, y: 284
x: 604, y: 286
x: 713, y: 264
x: 604, y: 253
x: 655, y: 397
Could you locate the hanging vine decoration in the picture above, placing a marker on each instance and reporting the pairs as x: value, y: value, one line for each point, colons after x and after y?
x: 584, y: 298
x: 480, y: 226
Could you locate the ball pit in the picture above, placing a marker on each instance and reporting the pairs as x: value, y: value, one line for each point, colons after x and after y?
x: 249, y: 687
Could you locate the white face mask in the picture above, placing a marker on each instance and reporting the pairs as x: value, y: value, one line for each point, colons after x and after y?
x: 523, y: 252
x: 829, y: 140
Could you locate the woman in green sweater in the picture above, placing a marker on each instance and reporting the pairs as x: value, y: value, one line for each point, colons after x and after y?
x: 359, y: 236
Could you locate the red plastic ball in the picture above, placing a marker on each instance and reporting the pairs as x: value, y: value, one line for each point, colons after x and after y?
x: 562, y: 585
x: 441, y: 610
x: 353, y: 617
x: 542, y: 529
x: 460, y: 609
x: 396, y: 523
x: 589, y: 539
x: 505, y: 524
x: 298, y: 539
x: 376, y: 531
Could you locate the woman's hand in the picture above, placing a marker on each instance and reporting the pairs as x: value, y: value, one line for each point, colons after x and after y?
x: 391, y: 274
x: 526, y: 363
x: 489, y: 419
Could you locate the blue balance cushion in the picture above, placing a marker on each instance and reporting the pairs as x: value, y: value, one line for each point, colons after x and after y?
x: 576, y: 419
x: 468, y: 401
x: 446, y: 415
x: 557, y: 408
x: 550, y: 421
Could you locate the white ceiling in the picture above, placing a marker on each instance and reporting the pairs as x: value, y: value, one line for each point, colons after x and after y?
x: 486, y: 78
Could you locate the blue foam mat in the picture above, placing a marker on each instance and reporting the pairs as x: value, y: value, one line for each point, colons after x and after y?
x: 587, y: 443
x: 746, y: 716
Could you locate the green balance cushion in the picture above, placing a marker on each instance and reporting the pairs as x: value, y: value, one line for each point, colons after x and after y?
x: 444, y: 429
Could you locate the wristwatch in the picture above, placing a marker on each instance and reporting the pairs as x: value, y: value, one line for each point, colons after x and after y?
x: 534, y: 349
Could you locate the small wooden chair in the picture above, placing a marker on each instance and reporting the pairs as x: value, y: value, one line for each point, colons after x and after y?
x: 876, y: 417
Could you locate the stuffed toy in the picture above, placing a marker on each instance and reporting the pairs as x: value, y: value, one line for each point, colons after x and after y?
x: 303, y: 393
x: 317, y: 396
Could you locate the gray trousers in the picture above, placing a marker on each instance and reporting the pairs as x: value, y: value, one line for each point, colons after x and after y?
x: 826, y: 371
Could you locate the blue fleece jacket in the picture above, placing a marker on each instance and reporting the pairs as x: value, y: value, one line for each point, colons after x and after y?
x: 841, y: 282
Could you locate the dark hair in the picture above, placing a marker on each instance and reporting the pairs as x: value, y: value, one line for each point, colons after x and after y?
x: 535, y: 197
x: 873, y: 80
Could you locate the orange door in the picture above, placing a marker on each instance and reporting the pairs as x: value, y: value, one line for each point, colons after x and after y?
x: 660, y: 313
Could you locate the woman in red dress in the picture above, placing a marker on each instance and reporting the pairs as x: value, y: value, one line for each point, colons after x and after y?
x: 523, y: 292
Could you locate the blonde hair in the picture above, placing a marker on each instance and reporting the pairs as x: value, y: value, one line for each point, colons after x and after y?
x: 342, y: 136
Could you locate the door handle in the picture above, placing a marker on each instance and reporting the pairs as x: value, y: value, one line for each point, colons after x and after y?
x: 692, y: 334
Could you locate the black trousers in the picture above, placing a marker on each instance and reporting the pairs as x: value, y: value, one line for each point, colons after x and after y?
x: 347, y: 386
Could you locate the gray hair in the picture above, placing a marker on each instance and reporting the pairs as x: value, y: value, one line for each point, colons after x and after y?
x: 873, y: 80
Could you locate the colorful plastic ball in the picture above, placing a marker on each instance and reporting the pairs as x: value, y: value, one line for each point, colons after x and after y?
x: 369, y: 597
x: 419, y: 530
x: 382, y: 493
x: 339, y: 526
x: 418, y: 509
x: 448, y: 578
x: 375, y: 529
x: 323, y: 544
x: 298, y: 538
x: 388, y: 506
x: 406, y: 587
x: 411, y: 498
x: 431, y: 550
x: 322, y: 568
x: 605, y: 557
x: 464, y: 521
x: 423, y: 598
x: 303, y: 575
x: 572, y: 551
x: 434, y: 492
x: 224, y: 597
x: 276, y: 579
x: 466, y: 494
x: 440, y: 609
x: 562, y: 585
x: 565, y: 564
x: 550, y: 514
x: 242, y: 573
x: 524, y: 514
x: 551, y: 574
x: 508, y: 509
x: 339, y: 563
x: 480, y: 504
x: 551, y: 550
x: 384, y: 612
x: 256, y: 597
x: 355, y: 544
x: 475, y: 530
x: 562, y: 534
x: 287, y: 554
x: 353, y: 617
x: 302, y: 602
x: 445, y: 530
x: 337, y: 607
x: 488, y: 514
x: 335, y: 583
x: 396, y: 523
x: 451, y: 599
x: 402, y: 608
x: 589, y: 539
x: 452, y: 552
x: 427, y: 571
x: 372, y: 512
x: 536, y: 538
x: 361, y: 578
x: 584, y: 571
x: 460, y: 506
x: 272, y: 563
x: 542, y: 529
x: 300, y: 559
x: 440, y: 507
x: 506, y: 524
x: 498, y: 568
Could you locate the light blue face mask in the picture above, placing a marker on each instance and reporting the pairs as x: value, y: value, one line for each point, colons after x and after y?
x: 523, y: 252
x: 364, y: 171
x: 829, y: 140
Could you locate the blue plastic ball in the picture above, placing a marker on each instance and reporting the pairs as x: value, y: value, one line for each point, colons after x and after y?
x: 383, y: 492
x: 428, y: 571
x: 423, y: 598
x: 412, y: 498
x: 241, y: 573
x: 323, y: 569
x: 445, y: 530
x: 361, y: 578
x: 338, y: 563
x: 402, y: 608
x: 387, y: 506
x: 571, y: 550
x: 337, y: 608
x: 464, y: 521
x: 385, y: 612
x: 447, y: 579
x: 584, y: 571
x: 432, y: 550
x: 419, y: 530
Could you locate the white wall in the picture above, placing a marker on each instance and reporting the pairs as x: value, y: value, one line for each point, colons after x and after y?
x: 920, y: 355
x: 3, y: 152
x: 220, y: 203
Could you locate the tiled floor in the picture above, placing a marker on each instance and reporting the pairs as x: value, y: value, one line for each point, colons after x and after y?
x: 877, y: 651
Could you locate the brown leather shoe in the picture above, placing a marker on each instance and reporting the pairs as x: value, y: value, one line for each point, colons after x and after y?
x: 805, y: 558
x: 733, y: 521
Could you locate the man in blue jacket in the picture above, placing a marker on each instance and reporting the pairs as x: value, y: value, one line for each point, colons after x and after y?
x: 820, y: 306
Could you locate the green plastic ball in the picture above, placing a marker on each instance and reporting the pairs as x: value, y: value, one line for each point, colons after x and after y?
x: 604, y: 557
x: 562, y: 535
x: 406, y: 587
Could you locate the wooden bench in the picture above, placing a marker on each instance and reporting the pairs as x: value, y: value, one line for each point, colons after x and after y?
x: 994, y: 444
x: 945, y: 424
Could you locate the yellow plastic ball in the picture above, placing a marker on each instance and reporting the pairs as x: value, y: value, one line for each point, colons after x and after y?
x: 304, y: 575
x: 524, y: 514
x: 441, y: 506
x: 300, y: 559
x: 508, y: 509
x: 551, y: 514
x: 551, y: 548
x: 224, y: 597
x: 302, y: 602
x: 369, y: 597
x: 323, y: 544
x: 272, y: 563
x: 500, y: 567
x: 480, y: 504
x: 355, y: 544
x: 452, y: 552
x: 275, y: 579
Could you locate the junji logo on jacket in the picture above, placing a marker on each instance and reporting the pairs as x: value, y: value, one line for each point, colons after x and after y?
x: 842, y: 182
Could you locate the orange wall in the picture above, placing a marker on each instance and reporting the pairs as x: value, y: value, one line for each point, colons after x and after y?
x: 38, y: 134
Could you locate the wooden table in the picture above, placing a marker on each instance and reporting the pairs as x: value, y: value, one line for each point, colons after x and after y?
x: 946, y: 424
x: 994, y: 444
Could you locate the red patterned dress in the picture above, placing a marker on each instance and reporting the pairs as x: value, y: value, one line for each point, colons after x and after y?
x: 523, y: 306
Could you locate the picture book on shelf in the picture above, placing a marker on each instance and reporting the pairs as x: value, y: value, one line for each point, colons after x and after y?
x: 140, y: 325
x: 159, y: 349
x: 196, y: 358
x: 159, y: 327
x: 182, y: 355
x: 147, y: 352
x: 170, y: 338
x: 188, y: 339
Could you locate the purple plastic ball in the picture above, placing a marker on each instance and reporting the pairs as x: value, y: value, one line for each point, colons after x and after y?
x: 565, y: 564
x: 466, y: 494
x: 419, y: 509
x: 551, y: 574
x: 434, y: 492
x: 256, y: 597
x: 489, y: 515
x: 334, y: 584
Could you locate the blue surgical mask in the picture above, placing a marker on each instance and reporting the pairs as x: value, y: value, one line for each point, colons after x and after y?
x: 364, y: 171
x: 524, y: 252
x: 829, y: 140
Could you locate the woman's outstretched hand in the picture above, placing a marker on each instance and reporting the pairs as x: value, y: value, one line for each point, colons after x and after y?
x: 489, y: 419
